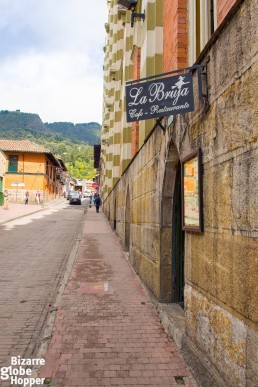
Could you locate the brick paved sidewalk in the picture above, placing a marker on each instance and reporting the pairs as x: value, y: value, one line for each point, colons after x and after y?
x: 106, y: 332
x: 17, y: 210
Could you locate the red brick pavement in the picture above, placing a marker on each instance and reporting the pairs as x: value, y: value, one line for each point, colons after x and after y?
x: 106, y: 332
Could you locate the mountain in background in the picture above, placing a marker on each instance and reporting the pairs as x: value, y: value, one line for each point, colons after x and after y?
x: 14, y: 124
x: 88, y: 132
x: 71, y: 142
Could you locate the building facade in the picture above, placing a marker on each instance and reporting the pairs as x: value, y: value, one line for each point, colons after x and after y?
x: 30, y: 167
x: 212, y: 274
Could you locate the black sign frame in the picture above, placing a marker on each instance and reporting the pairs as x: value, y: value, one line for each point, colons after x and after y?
x: 157, y: 96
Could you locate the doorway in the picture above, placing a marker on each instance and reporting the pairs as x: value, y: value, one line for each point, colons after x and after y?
x: 115, y: 215
x: 127, y: 222
x: 178, y: 236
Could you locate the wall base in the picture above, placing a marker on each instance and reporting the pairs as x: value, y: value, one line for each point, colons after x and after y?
x: 173, y: 320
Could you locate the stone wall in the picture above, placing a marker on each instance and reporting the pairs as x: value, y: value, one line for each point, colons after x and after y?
x: 221, y: 290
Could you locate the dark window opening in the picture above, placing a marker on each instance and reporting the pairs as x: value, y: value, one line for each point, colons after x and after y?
x: 13, y: 164
x: 212, y: 17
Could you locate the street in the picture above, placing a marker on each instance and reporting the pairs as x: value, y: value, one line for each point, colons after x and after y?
x: 65, y: 264
x: 34, y: 252
x: 106, y: 331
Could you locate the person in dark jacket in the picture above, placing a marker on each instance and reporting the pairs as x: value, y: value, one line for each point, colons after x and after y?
x: 26, y: 200
x: 97, y: 202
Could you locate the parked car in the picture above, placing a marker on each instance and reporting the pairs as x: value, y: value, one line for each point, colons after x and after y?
x: 75, y: 198
x: 87, y: 193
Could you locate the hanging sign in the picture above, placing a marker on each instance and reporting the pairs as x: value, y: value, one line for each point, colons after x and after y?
x: 158, y: 98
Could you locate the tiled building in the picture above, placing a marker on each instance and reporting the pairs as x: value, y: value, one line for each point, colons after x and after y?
x: 212, y: 274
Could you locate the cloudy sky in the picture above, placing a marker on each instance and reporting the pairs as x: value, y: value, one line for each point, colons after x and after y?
x: 51, y: 58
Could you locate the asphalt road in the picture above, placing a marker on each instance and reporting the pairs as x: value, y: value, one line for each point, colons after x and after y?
x: 34, y: 252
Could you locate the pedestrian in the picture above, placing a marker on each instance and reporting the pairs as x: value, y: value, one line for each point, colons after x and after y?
x: 38, y: 197
x: 97, y: 202
x: 90, y: 199
x: 26, y: 200
x: 6, y: 199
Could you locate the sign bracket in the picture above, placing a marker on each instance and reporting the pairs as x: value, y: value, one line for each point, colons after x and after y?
x: 204, y: 73
x: 158, y: 123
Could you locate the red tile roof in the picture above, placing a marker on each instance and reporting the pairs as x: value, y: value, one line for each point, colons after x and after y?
x: 30, y: 147
x: 22, y: 146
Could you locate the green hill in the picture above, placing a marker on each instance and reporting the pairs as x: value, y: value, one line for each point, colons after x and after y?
x: 11, y: 122
x: 87, y: 132
x: 16, y: 123
x: 71, y: 142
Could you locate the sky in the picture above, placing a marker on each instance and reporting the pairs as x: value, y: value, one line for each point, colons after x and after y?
x: 51, y: 58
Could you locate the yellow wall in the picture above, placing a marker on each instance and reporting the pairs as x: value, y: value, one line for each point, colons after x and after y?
x: 31, y: 175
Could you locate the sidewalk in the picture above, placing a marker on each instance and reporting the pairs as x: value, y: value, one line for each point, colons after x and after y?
x: 17, y: 210
x: 106, y: 331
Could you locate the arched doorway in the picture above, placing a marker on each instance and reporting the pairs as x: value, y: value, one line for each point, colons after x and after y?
x: 115, y: 214
x: 127, y: 221
x: 172, y: 236
x: 177, y: 243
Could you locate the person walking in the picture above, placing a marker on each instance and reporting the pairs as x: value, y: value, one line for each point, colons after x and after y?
x: 90, y: 200
x: 97, y: 202
x: 38, y: 197
x: 6, y: 199
x: 26, y: 200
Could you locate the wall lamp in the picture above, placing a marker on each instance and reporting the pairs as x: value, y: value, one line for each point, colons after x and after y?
x: 130, y: 5
x: 127, y: 4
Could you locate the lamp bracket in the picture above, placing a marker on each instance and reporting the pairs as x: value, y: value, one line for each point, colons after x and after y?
x: 135, y: 15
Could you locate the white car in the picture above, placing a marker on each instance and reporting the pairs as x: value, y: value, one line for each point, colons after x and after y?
x: 87, y: 194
